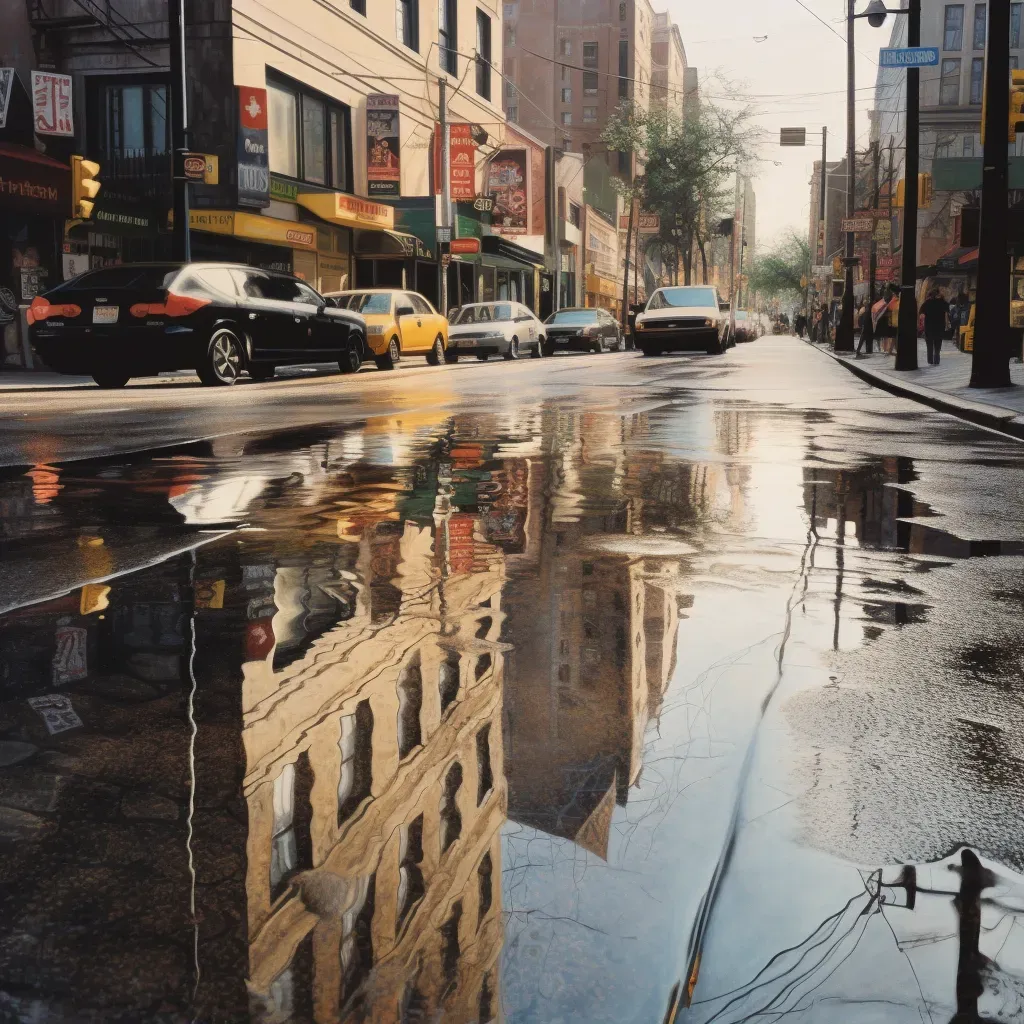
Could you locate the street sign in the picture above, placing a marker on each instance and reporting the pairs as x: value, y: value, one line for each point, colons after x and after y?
x: 888, y: 261
x: 908, y: 57
x: 857, y: 224
x: 204, y: 167
x: 444, y: 235
x: 792, y: 136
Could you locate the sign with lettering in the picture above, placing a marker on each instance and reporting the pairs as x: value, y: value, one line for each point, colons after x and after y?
x: 508, y: 182
x: 34, y: 183
x: 51, y: 103
x: 253, y: 147
x: 461, y: 160
x: 6, y: 88
x: 908, y: 57
x: 383, y: 158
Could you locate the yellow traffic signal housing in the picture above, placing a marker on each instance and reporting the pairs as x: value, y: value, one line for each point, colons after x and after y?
x: 84, y: 186
x: 925, y: 191
x: 1016, y: 104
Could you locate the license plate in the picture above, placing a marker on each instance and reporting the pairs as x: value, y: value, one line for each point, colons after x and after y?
x: 104, y: 314
x: 467, y: 343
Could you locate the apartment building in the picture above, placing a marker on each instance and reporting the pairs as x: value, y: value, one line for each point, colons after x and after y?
x: 668, y: 65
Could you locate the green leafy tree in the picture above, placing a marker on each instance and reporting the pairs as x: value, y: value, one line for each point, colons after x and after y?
x: 779, y: 272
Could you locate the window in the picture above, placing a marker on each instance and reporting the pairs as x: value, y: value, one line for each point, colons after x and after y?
x: 953, y: 34
x: 968, y: 149
x: 448, y: 673
x: 949, y: 85
x: 566, y: 72
x: 359, y: 6
x: 410, y: 701
x: 589, y: 115
x: 309, y: 136
x: 624, y: 162
x: 134, y: 120
x: 451, y: 952
x: 566, y: 117
x: 512, y: 113
x: 567, y: 95
x: 590, y: 72
x: 419, y: 304
x: 977, y: 79
x: 944, y: 146
x: 574, y: 215
x: 447, y: 35
x: 1015, y: 10
x: 565, y: 47
x: 623, y: 68
x: 510, y: 90
x: 483, y: 55
x: 510, y: 10
x: 1013, y: 62
x: 510, y: 35
x: 451, y: 816
x: 410, y: 874
x: 980, y: 19
x: 566, y: 143
x: 485, y: 888
x: 484, y: 773
x: 356, y: 748
x: 622, y: 12
x: 291, y: 841
x: 356, y: 951
x: 407, y: 23
x: 219, y: 279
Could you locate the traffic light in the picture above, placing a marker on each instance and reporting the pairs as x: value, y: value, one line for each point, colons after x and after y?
x: 84, y: 186
x: 1016, y: 104
x: 925, y: 191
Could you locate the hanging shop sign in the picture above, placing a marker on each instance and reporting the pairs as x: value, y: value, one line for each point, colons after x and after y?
x: 33, y: 183
x: 6, y: 88
x: 461, y: 161
x: 383, y: 160
x: 465, y: 246
x: 508, y: 182
x: 51, y: 103
x: 646, y: 223
x: 253, y: 151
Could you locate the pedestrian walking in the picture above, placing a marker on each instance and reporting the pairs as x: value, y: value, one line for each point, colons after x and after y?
x: 862, y: 324
x: 801, y: 324
x: 935, y: 313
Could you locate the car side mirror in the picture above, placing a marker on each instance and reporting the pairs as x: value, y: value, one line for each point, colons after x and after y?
x: 406, y: 311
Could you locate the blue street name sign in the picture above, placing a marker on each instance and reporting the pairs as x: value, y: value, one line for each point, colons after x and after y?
x: 909, y: 57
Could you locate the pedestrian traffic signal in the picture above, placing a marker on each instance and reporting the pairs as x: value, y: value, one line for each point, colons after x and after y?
x: 1016, y: 104
x: 84, y: 186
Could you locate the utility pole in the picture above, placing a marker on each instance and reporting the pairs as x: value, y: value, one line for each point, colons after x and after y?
x: 444, y: 131
x: 876, y: 198
x: 990, y: 363
x: 844, y: 333
x: 181, y: 242
x: 906, y: 337
x: 822, y: 225
x: 743, y: 234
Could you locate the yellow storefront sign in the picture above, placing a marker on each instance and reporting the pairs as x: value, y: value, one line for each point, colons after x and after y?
x: 600, y: 286
x: 351, y: 211
x: 255, y: 228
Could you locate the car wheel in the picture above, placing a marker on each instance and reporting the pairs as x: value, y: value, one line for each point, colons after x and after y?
x: 538, y: 349
x: 222, y: 365
x: 715, y: 348
x: 549, y: 347
x: 436, y: 355
x: 261, y: 371
x: 482, y: 356
x: 111, y: 378
x: 513, y: 349
x: 390, y: 357
x: 351, y: 359
x: 650, y: 350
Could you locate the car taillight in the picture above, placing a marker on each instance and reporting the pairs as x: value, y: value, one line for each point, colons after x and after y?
x: 175, y: 305
x: 43, y: 310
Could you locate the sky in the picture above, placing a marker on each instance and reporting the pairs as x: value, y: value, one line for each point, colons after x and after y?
x: 795, y: 78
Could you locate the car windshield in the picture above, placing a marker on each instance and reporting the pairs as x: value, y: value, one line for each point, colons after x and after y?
x: 671, y: 298
x: 368, y: 302
x: 573, y: 316
x: 137, y: 276
x: 486, y: 313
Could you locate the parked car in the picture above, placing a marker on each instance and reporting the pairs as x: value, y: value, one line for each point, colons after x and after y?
x: 221, y: 319
x: 685, y: 317
x: 398, y: 323
x: 747, y: 327
x: 583, y: 330
x: 485, y: 329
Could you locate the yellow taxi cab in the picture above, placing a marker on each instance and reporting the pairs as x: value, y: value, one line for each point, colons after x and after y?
x: 398, y: 323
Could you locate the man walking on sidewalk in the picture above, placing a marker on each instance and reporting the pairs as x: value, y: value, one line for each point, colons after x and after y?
x: 935, y: 310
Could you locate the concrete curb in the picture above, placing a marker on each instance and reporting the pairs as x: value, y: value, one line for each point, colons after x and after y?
x: 1005, y: 421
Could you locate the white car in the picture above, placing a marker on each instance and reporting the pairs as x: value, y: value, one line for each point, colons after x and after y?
x: 485, y: 329
x: 684, y: 317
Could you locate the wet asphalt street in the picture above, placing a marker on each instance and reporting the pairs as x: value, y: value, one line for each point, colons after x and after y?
x: 597, y: 689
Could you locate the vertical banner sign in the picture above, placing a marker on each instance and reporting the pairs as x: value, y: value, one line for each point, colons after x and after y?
x: 6, y: 88
x: 51, y: 103
x: 383, y: 167
x: 508, y: 179
x: 253, y: 147
x: 462, y: 162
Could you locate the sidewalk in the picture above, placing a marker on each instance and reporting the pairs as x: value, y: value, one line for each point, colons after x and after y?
x: 945, y: 387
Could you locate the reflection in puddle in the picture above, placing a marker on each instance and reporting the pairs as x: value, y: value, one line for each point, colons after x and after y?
x: 258, y: 754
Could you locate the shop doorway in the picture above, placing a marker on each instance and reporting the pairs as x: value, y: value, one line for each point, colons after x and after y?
x: 547, y: 296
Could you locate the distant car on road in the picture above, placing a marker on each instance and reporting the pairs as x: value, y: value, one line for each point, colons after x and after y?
x: 485, y: 329
x: 221, y: 319
x: 689, y: 317
x: 398, y: 323
x: 583, y: 330
x: 747, y: 327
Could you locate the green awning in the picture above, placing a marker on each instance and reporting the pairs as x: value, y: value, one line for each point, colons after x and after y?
x: 963, y: 174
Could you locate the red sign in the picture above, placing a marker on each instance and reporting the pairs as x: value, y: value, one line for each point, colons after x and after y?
x: 465, y: 246
x: 461, y: 161
x: 253, y: 108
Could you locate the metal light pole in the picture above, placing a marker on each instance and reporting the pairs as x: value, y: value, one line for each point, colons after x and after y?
x: 990, y: 363
x: 180, y: 239
x: 844, y: 333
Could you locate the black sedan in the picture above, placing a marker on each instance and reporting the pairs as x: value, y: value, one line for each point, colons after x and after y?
x: 220, y: 319
x: 583, y: 330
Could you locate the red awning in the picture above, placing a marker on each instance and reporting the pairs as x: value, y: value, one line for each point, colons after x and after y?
x: 15, y: 152
x: 969, y: 256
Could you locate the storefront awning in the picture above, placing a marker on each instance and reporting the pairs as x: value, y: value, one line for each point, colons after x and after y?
x: 348, y: 211
x: 502, y: 248
x: 391, y: 243
x: 254, y: 227
x: 32, y: 183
